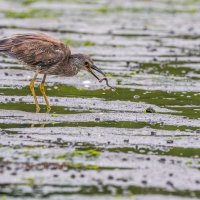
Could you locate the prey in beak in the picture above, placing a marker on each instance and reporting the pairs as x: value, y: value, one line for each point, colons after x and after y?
x: 93, y: 68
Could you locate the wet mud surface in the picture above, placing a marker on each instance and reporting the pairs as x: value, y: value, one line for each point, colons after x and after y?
x: 96, y: 143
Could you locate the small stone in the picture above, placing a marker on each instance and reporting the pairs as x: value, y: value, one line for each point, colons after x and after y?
x: 59, y: 139
x: 82, y: 175
x: 144, y: 182
x: 153, y: 133
x: 110, y: 177
x: 6, y: 74
x: 170, y: 141
x: 155, y: 59
x: 13, y: 173
x: 73, y: 176
x: 149, y: 110
x: 126, y: 141
x: 8, y: 168
x: 145, y: 28
x: 99, y: 182
x: 65, y: 170
x: 197, y: 181
x: 151, y: 49
x: 127, y: 63
x: 27, y: 169
x: 122, y: 179
x: 190, y: 28
x: 198, y: 131
x: 19, y: 74
x: 169, y: 183
x: 172, y: 162
x: 97, y: 119
x: 53, y: 168
x: 162, y: 160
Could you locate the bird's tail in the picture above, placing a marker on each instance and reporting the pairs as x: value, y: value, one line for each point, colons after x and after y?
x: 5, y: 45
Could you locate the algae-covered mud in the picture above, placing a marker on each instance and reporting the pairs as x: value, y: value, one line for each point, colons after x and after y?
x: 140, y: 142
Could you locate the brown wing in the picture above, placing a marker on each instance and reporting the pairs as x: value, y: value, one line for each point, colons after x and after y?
x: 37, y: 49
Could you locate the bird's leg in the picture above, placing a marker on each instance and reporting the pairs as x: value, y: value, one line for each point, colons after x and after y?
x: 33, y: 91
x: 43, y: 93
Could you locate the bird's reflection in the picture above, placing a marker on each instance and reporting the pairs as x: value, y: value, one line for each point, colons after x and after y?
x: 42, y: 125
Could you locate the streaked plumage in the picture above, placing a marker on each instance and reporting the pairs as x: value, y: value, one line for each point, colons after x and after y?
x: 47, y: 55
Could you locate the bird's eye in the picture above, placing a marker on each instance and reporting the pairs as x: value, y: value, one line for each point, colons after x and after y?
x: 87, y: 64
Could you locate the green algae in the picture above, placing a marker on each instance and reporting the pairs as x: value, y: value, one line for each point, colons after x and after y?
x: 33, y: 13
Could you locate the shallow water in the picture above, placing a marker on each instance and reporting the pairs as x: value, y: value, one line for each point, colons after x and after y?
x: 97, y: 143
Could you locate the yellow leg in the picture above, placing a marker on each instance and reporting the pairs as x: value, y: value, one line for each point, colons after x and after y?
x: 33, y: 92
x: 43, y: 93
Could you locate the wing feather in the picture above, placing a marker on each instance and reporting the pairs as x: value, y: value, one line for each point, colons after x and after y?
x: 36, y: 49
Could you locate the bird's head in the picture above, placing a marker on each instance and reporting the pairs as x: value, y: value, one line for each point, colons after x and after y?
x: 84, y: 62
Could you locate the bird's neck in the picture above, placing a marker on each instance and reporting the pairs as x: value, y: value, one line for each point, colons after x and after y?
x: 71, y: 67
x: 74, y: 60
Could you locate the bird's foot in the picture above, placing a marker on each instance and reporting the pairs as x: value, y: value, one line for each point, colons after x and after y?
x: 42, y: 125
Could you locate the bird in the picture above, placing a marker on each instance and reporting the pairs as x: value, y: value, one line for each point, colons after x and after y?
x: 47, y: 55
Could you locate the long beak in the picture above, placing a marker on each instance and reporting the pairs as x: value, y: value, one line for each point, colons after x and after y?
x: 96, y: 69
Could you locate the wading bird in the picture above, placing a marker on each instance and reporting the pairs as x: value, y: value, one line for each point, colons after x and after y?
x: 46, y: 55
